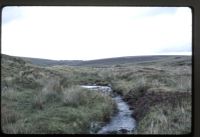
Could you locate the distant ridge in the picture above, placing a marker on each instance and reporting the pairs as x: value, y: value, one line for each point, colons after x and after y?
x: 49, y: 62
x: 122, y: 60
x: 101, y: 62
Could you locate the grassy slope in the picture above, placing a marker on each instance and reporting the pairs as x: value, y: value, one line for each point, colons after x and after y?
x: 159, y: 91
x: 103, y: 62
x: 39, y: 100
x: 160, y: 94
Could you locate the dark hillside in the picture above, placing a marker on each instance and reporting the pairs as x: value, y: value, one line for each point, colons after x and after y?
x: 48, y: 62
x: 172, y: 60
x: 136, y: 60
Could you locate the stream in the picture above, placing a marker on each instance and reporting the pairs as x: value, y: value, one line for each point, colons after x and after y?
x: 122, y: 121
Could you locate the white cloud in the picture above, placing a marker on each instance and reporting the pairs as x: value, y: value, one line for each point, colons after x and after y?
x: 96, y: 32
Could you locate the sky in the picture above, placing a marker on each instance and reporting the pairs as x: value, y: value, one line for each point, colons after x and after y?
x: 86, y: 33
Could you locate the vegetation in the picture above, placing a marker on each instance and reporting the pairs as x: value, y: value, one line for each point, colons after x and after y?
x: 167, y: 118
x: 38, y: 101
x: 49, y: 99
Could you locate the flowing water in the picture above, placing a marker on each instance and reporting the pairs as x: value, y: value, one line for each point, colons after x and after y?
x: 122, y: 122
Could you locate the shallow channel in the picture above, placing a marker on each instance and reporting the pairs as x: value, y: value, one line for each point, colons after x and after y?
x: 122, y: 121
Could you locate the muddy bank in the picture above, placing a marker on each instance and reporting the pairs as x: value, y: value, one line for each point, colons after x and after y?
x: 142, y: 104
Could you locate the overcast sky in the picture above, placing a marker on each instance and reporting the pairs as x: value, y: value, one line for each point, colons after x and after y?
x: 84, y: 33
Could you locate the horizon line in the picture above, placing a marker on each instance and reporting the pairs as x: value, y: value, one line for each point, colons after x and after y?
x: 99, y: 58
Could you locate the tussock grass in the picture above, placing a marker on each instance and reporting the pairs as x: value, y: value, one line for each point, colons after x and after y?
x: 55, y: 110
x: 75, y: 96
x: 9, y: 116
x: 10, y: 94
x: 122, y: 87
x: 51, y: 92
x: 20, y: 127
x: 47, y: 100
x: 38, y: 101
x: 146, y: 88
x: 167, y: 119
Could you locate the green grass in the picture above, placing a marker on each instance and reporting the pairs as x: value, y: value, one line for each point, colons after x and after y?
x: 38, y: 100
x: 43, y: 100
x: 71, y: 112
x: 165, y: 119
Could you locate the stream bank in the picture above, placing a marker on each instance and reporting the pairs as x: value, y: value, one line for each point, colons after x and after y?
x: 122, y: 122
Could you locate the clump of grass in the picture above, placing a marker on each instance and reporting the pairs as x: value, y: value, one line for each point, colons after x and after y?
x: 74, y: 96
x: 51, y: 92
x: 183, y: 83
x: 141, y: 85
x: 9, y: 116
x: 167, y: 119
x: 72, y: 112
x: 10, y: 94
x: 139, y: 89
x: 53, y: 97
x: 38, y: 101
x: 52, y: 85
x: 20, y: 127
x: 122, y: 87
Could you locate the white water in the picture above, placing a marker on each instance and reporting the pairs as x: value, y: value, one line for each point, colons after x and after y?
x: 122, y: 121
